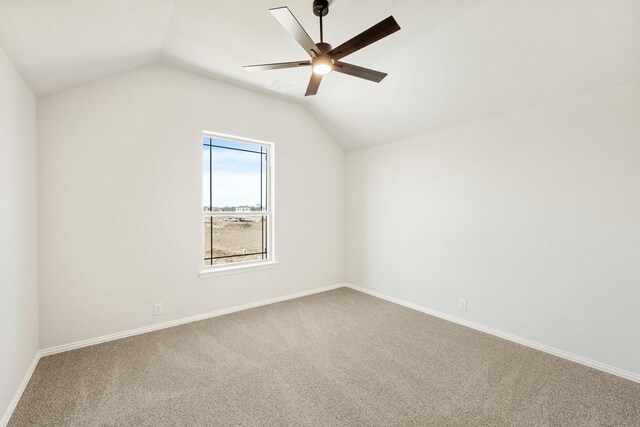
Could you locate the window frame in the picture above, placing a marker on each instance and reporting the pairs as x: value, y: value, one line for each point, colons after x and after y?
x: 269, y: 213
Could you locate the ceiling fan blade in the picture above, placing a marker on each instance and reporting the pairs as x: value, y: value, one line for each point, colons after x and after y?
x: 291, y: 24
x: 314, y: 84
x: 379, y: 31
x: 355, y: 71
x: 264, y: 67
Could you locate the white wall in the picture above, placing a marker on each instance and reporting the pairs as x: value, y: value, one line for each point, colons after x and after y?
x: 533, y: 217
x: 120, y: 201
x: 18, y: 231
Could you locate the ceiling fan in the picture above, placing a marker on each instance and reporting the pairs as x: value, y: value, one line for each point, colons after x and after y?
x: 324, y: 57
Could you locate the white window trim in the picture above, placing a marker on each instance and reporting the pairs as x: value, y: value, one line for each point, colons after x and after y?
x: 238, y: 267
x: 253, y: 265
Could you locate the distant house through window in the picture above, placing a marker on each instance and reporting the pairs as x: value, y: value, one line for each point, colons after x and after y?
x: 237, y: 203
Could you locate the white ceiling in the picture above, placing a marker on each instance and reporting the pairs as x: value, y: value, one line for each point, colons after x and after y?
x: 454, y: 61
x: 56, y: 44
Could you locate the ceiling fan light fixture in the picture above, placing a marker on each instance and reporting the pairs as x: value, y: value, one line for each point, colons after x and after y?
x: 322, y: 65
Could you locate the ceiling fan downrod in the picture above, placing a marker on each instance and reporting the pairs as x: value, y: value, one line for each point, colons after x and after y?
x: 320, y: 9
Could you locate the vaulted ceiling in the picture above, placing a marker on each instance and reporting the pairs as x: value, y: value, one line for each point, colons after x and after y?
x: 452, y: 62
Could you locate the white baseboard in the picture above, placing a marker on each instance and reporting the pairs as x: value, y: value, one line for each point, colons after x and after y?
x: 171, y: 323
x: 16, y: 397
x: 532, y: 344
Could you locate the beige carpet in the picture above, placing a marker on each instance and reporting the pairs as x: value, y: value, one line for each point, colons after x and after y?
x: 331, y: 359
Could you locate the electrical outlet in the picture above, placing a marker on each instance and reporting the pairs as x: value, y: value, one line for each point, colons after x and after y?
x: 462, y: 304
x: 332, y: 277
x: 157, y: 309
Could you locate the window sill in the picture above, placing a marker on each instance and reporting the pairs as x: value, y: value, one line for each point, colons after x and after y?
x: 222, y: 271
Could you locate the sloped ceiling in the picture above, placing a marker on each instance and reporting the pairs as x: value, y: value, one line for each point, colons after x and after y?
x: 56, y: 44
x: 452, y: 62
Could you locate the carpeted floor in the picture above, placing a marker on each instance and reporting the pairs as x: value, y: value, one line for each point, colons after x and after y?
x: 330, y: 359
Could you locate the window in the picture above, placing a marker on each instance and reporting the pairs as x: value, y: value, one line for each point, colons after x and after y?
x: 237, y: 203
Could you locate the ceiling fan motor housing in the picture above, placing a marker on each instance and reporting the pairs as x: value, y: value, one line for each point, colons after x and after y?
x: 320, y: 6
x: 324, y: 47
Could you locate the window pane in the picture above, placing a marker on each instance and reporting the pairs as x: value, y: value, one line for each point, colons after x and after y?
x: 239, y: 175
x: 230, y: 239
